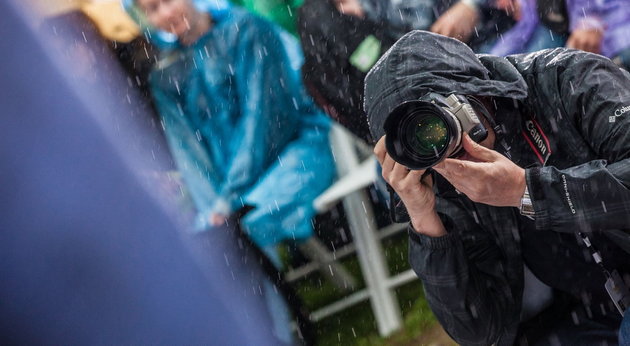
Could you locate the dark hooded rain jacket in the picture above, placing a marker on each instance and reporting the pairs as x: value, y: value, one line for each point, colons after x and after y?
x: 564, y: 115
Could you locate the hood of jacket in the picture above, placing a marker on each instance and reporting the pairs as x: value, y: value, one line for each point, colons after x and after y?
x: 164, y: 40
x: 422, y: 62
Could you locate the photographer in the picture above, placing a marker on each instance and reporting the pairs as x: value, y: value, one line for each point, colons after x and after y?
x: 529, y: 163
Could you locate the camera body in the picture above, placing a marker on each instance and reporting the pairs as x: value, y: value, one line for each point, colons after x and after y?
x: 422, y: 133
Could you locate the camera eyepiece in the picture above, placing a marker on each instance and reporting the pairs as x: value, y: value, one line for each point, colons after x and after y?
x: 423, y: 132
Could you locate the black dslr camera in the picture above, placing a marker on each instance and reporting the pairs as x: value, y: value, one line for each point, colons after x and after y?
x: 422, y: 133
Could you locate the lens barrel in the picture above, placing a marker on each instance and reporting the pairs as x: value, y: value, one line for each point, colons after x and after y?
x: 420, y: 134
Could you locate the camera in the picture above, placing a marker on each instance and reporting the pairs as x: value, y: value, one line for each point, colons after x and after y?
x: 423, y: 132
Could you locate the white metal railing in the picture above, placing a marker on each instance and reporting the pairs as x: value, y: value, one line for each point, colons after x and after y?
x: 350, y: 189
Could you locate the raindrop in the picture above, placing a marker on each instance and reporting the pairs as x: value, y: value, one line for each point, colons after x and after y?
x: 473, y: 311
x: 575, y: 318
x: 476, y: 217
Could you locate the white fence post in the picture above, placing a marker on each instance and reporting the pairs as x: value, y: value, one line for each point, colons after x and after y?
x: 363, y: 227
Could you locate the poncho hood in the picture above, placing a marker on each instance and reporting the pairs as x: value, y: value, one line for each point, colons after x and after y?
x: 422, y: 62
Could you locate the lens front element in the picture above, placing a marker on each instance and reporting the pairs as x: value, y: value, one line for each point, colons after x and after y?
x: 420, y: 134
x: 429, y: 136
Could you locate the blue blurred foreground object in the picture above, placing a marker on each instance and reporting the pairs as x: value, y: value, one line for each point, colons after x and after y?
x: 87, y: 255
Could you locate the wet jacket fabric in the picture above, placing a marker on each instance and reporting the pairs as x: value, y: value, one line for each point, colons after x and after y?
x: 242, y: 129
x: 563, y: 115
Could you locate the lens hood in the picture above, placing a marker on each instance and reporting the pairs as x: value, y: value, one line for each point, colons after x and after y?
x: 420, y: 134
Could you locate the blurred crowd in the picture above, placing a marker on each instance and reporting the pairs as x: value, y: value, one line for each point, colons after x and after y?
x: 244, y: 94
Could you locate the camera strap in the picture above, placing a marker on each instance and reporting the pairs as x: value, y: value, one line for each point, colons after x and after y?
x: 397, y: 211
x: 615, y: 286
x: 479, y: 107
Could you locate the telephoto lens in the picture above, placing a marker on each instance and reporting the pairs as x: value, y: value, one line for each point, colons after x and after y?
x: 422, y: 133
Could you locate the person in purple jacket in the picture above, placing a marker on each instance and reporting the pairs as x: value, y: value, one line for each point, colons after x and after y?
x: 530, y: 34
x: 602, y: 27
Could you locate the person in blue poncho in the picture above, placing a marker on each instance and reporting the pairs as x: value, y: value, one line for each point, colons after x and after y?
x: 242, y: 131
x: 240, y: 126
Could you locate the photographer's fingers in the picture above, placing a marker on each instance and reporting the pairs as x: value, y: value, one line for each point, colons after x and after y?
x: 386, y: 162
x: 459, y: 172
x: 456, y: 174
x: 426, y: 180
x: 392, y: 171
x: 415, y: 178
x: 477, y: 150
x: 380, y: 151
x: 387, y: 165
x: 399, y: 172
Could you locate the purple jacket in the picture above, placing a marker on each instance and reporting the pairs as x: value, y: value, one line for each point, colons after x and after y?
x: 613, y: 16
x: 515, y: 40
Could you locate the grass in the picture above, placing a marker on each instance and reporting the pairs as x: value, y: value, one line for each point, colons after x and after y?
x: 357, y: 325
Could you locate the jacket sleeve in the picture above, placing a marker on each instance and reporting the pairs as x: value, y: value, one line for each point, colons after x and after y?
x: 190, y: 156
x: 595, y: 95
x: 585, y: 14
x: 464, y: 278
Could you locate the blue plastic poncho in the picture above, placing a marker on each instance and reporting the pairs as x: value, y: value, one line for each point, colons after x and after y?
x: 240, y: 126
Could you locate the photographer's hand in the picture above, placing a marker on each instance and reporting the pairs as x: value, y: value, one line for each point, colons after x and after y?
x: 485, y: 176
x: 416, y: 194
